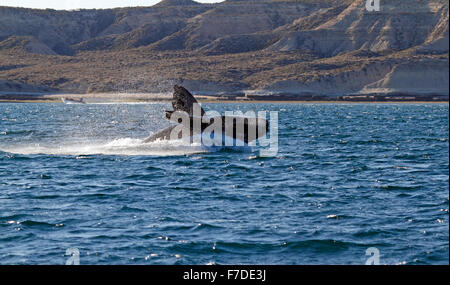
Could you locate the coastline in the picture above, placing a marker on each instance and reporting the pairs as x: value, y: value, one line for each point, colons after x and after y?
x: 243, y: 102
x: 165, y: 98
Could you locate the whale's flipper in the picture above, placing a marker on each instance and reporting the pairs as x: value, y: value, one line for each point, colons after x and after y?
x: 183, y: 101
x: 161, y: 135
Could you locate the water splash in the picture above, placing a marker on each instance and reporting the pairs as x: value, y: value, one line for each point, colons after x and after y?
x: 121, y: 146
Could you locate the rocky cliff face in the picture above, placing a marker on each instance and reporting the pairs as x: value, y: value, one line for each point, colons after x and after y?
x: 328, y: 47
x: 399, y: 25
x: 414, y: 77
x: 69, y: 32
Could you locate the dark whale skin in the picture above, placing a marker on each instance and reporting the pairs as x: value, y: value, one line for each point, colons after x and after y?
x: 183, y: 101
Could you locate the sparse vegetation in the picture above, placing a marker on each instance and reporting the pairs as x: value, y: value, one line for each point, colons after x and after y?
x: 323, y: 47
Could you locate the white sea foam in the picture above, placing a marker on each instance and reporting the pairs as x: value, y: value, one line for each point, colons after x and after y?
x: 121, y: 146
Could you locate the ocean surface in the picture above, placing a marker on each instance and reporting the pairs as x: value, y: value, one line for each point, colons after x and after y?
x: 347, y: 177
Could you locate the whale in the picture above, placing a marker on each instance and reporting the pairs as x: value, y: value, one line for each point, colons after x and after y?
x: 195, y: 121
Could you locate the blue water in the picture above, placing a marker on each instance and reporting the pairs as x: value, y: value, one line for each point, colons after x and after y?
x: 347, y: 177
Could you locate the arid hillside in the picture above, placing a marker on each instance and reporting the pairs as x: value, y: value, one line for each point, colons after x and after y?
x: 265, y: 47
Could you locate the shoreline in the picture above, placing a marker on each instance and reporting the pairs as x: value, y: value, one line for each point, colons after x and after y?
x: 240, y: 101
x: 93, y: 98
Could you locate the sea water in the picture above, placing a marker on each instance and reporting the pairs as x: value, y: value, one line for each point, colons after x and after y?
x: 346, y: 178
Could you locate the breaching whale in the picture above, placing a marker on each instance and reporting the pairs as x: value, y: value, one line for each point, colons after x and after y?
x: 196, y: 121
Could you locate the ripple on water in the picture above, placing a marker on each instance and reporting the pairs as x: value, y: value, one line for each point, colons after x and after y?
x: 346, y: 177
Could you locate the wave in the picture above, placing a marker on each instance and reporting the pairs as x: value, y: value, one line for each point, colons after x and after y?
x: 121, y: 146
